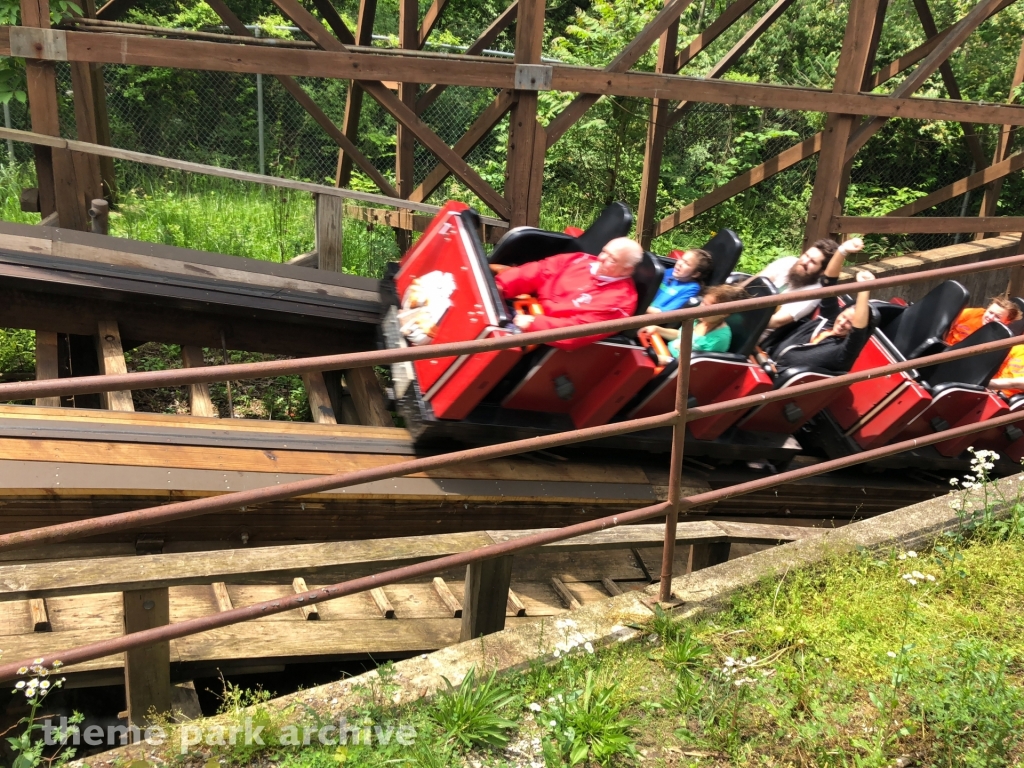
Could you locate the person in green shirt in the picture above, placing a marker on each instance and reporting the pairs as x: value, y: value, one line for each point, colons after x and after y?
x: 710, y: 334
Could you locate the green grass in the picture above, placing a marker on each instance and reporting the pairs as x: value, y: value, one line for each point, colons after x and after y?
x: 842, y: 664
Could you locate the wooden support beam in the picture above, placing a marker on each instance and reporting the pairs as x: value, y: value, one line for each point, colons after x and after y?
x: 524, y: 153
x: 567, y: 597
x: 515, y: 605
x: 453, y: 70
x: 38, y: 615
x: 487, y: 37
x: 628, y: 56
x: 405, y: 145
x: 110, y: 355
x: 342, y: 139
x: 114, y: 9
x: 853, y: 63
x: 46, y: 363
x: 147, y: 671
x: 368, y: 398
x: 958, y: 33
x: 430, y: 19
x: 924, y: 13
x: 387, y: 610
x: 354, y: 97
x: 319, y: 398
x: 221, y: 597
x: 705, y: 555
x: 486, y: 597
x: 334, y: 21
x: 399, y: 110
x: 309, y: 612
x: 1015, y: 285
x: 725, y: 20
x: 742, y: 46
x: 82, y: 82
x: 995, y: 172
x: 657, y: 128
x: 446, y: 597
x: 476, y: 133
x: 890, y: 225
x: 328, y: 233
x: 989, y: 203
x: 785, y: 159
x: 611, y: 587
x: 200, y: 402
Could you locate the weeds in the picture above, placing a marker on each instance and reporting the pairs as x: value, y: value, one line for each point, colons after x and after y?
x: 588, y: 725
x: 469, y: 713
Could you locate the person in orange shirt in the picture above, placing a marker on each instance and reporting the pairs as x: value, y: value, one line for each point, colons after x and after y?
x: 1010, y: 378
x: 971, y: 319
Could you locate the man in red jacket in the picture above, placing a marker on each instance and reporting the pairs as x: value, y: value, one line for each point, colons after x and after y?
x: 576, y: 288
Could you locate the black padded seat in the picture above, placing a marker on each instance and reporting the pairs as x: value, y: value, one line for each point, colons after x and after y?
x: 1019, y: 302
x: 615, y: 221
x: 920, y: 328
x: 521, y: 245
x: 647, y: 277
x: 525, y: 244
x: 725, y: 249
x: 887, y: 314
x: 748, y: 326
x: 975, y: 370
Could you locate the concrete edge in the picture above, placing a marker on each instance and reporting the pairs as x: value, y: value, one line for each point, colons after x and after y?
x: 617, y: 619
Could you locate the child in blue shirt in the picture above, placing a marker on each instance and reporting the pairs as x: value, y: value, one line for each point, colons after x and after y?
x: 686, y: 280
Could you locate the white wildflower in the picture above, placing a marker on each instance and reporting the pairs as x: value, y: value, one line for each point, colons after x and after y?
x: 929, y: 577
x: 917, y: 575
x: 557, y: 653
x: 730, y: 661
x: 902, y: 556
x: 20, y: 684
x: 23, y: 671
x: 891, y: 654
x: 954, y: 481
x: 911, y: 554
x: 535, y: 707
x: 750, y: 659
x: 589, y: 647
x: 552, y: 723
x: 38, y: 661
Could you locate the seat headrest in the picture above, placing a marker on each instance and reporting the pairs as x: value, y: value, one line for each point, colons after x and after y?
x: 748, y: 326
x: 1019, y: 302
x: 647, y: 277
x: 929, y: 318
x: 615, y: 221
x: 725, y: 249
x: 972, y: 370
x: 524, y: 244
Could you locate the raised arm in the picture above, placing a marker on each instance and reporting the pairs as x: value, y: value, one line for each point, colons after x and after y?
x: 835, y: 264
x: 862, y: 310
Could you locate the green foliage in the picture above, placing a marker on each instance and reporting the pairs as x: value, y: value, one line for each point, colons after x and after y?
x: 589, y: 725
x: 469, y: 713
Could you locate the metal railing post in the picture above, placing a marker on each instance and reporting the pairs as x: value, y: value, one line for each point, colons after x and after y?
x: 675, y: 470
x: 259, y: 115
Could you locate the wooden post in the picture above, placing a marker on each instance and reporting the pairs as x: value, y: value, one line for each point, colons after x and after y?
x: 661, y: 110
x: 40, y: 616
x: 486, y: 598
x: 853, y: 61
x: 705, y: 555
x: 368, y: 398
x: 200, y: 402
x: 147, y: 671
x: 46, y: 364
x: 525, y: 155
x: 405, y: 146
x: 990, y: 200
x: 319, y: 398
x: 309, y: 612
x: 354, y: 98
x: 1015, y: 287
x: 111, y: 359
x: 328, y: 232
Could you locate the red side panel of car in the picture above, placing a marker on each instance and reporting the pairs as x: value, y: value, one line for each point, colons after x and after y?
x: 468, y: 380
x: 886, y: 421
x: 955, y: 407
x: 854, y: 402
x: 787, y: 416
x: 590, y: 383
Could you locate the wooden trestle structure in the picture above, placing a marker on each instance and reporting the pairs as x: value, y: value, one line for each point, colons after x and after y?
x: 89, y: 297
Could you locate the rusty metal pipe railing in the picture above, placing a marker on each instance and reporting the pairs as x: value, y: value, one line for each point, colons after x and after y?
x: 239, y: 371
x: 168, y: 632
x: 184, y: 509
x: 675, y: 466
x: 750, y: 401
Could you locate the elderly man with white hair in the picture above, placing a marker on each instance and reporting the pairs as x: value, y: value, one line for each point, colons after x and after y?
x: 576, y: 288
